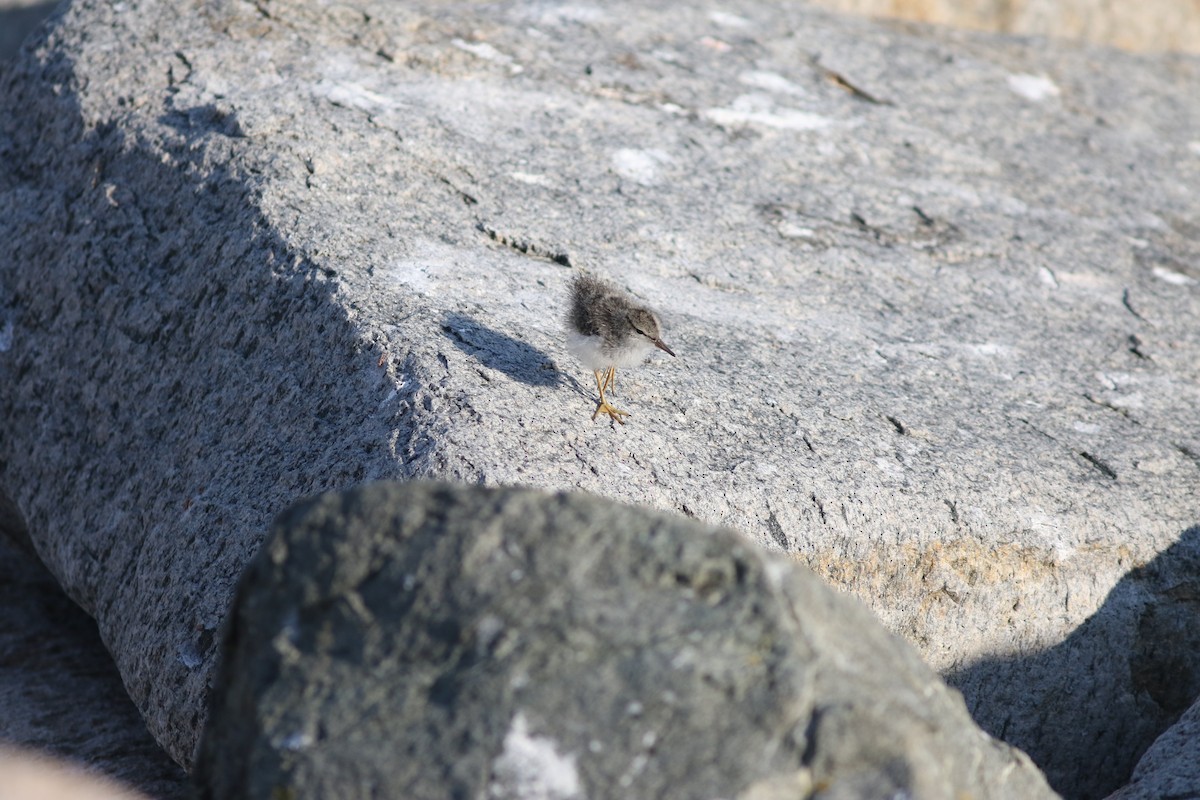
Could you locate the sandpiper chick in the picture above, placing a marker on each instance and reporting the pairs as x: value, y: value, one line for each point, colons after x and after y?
x: 609, y: 329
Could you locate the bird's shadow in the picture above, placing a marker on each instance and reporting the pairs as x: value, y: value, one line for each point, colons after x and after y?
x: 499, y: 351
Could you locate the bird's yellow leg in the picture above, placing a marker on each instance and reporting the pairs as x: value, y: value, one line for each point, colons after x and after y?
x: 604, y: 407
x: 610, y: 380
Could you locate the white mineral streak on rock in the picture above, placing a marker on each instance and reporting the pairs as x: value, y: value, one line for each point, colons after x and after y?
x: 532, y: 768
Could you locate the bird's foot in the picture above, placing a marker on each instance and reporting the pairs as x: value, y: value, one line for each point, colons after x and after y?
x: 612, y: 411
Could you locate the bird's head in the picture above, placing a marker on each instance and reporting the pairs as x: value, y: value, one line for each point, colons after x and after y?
x: 646, y: 325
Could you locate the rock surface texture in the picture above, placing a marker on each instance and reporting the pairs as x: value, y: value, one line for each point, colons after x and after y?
x: 933, y: 295
x: 1171, y: 767
x: 427, y: 641
x: 60, y: 693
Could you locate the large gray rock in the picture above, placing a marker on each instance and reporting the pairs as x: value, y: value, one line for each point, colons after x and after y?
x: 428, y: 641
x: 933, y: 295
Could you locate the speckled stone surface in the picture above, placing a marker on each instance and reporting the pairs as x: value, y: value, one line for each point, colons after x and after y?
x: 61, y: 696
x: 427, y: 641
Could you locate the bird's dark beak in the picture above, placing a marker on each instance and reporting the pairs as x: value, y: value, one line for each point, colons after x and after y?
x: 661, y: 345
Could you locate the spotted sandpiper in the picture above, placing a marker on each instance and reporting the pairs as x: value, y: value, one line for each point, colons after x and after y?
x: 609, y: 329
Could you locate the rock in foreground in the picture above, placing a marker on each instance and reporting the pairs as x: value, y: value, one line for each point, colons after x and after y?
x: 427, y: 641
x: 1171, y: 767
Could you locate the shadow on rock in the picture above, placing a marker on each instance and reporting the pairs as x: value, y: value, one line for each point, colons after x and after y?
x: 501, y: 352
x: 18, y: 22
x: 1109, y: 689
x: 203, y: 119
x: 203, y: 354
